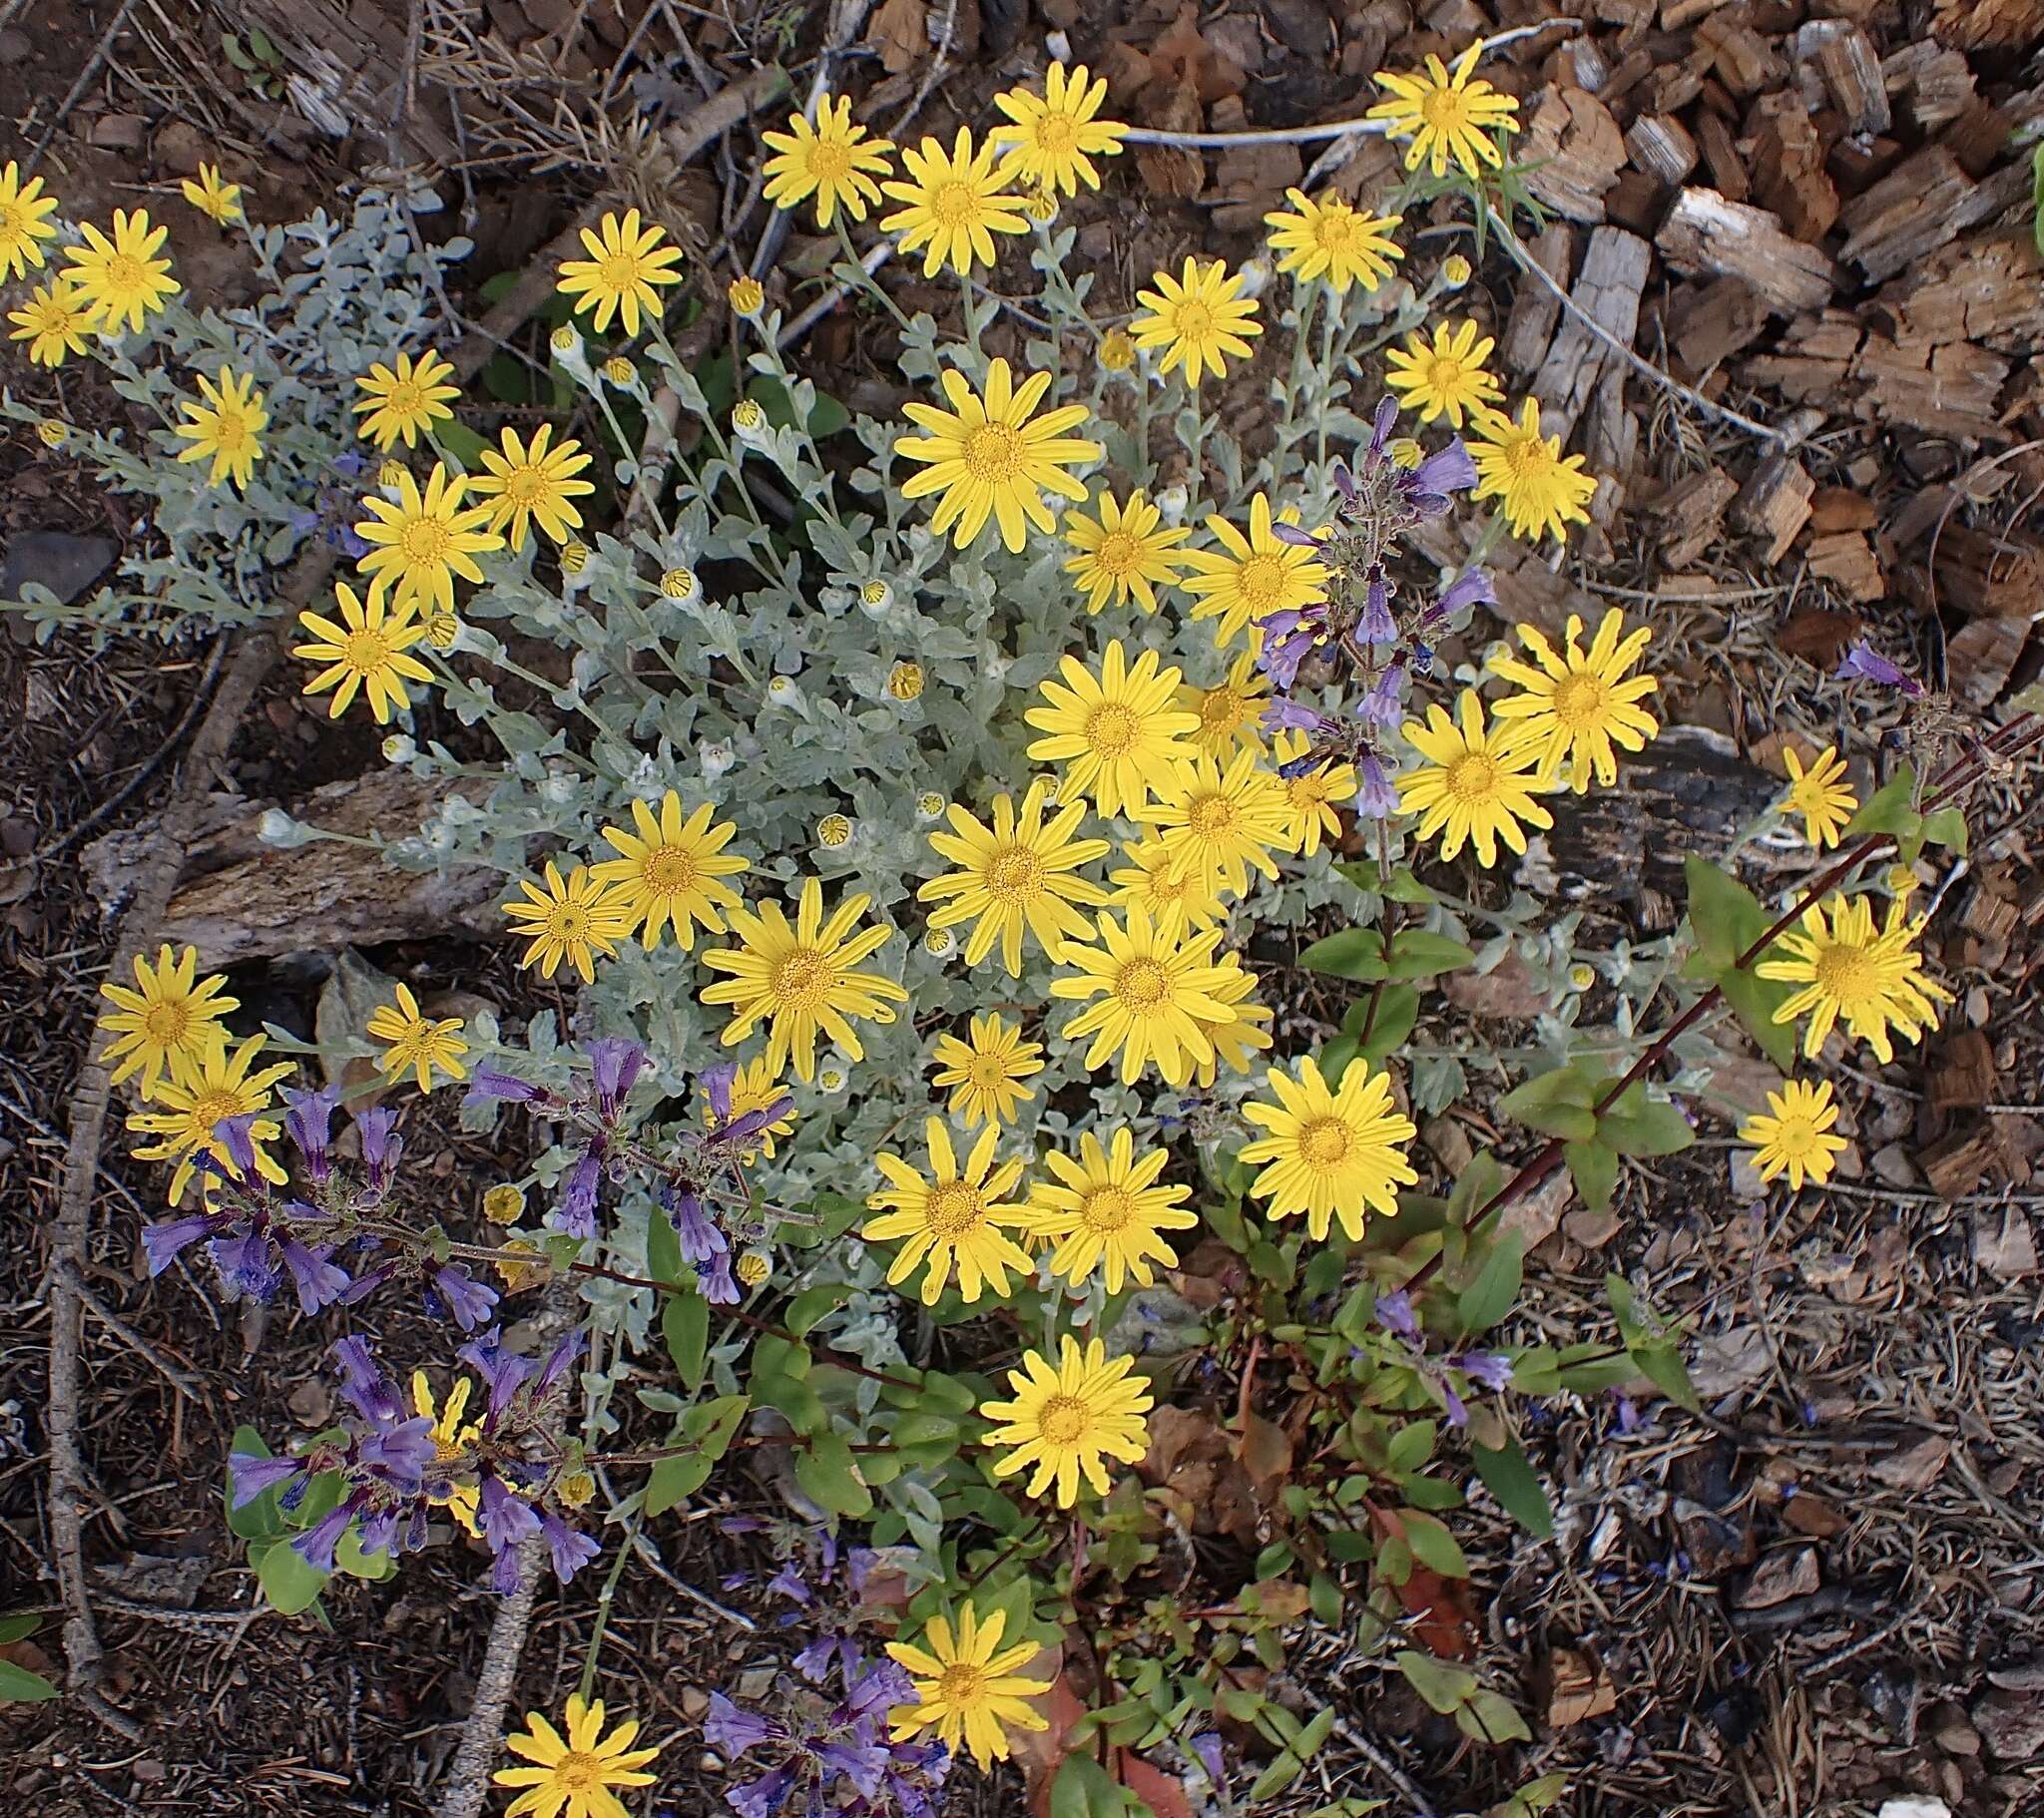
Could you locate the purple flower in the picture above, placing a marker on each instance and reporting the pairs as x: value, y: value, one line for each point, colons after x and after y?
x: 879, y: 1688
x: 730, y: 1731
x: 1628, y: 1415
x: 503, y: 1372
x: 720, y: 1288
x: 1491, y: 1368
x: 486, y: 1084
x: 762, y: 1798
x: 572, y: 1550
x: 563, y: 1354
x: 816, y: 1661
x: 232, y: 1135
x: 1299, y: 539
x: 1288, y: 640
x: 1466, y: 590
x: 789, y: 1583
x: 507, y: 1518
x: 863, y: 1764
x: 246, y: 1268
x: 310, y: 1123
x: 506, y: 1574
x: 576, y: 1215
x: 1384, y: 707
x: 318, y: 1281
x: 739, y: 1130
x: 163, y: 1240
x: 614, y: 1065
x: 379, y: 1533
x: 464, y: 1297
x: 1380, y: 437
x: 717, y: 1082
x: 1394, y: 1314
x: 699, y: 1239
x: 1284, y: 715
x: 1378, y: 796
x: 399, y: 1454
x: 1863, y: 662
x: 1458, y: 1409
x: 1207, y: 1746
x: 1427, y: 487
x: 362, y: 1383
x: 315, y: 1546
x: 1377, y: 625
x: 858, y: 1567
x: 252, y: 1474
x: 381, y: 1146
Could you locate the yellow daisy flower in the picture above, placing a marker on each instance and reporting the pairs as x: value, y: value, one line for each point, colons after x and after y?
x: 226, y: 429
x: 958, y: 1217
x: 1124, y: 553
x: 967, y: 1689
x: 672, y: 870
x: 625, y: 263
x: 169, y: 1023
x: 755, y: 1086
x: 212, y: 196
x: 574, y: 1774
x: 1052, y: 138
x: 1195, y: 318
x: 1230, y: 711
x: 1314, y: 796
x: 450, y: 1440
x: 1246, y: 1033
x: 1447, y: 116
x: 1105, y: 1212
x: 533, y: 483
x: 987, y: 1071
x: 54, y: 321
x: 1329, y: 1152
x: 1018, y: 871
x: 1852, y: 974
x: 800, y: 978
x: 366, y: 649
x: 1068, y: 1419
x: 417, y: 1043
x: 193, y: 1107
x: 1248, y: 578
x: 1540, y: 488
x: 1445, y: 376
x: 419, y: 543
x: 24, y: 222
x: 121, y: 279
x: 1327, y: 237
x: 833, y: 160
x: 1160, y: 885
x: 1155, y: 987
x: 1222, y: 821
x: 954, y: 206
x: 1477, y: 784
x: 993, y: 457
x: 575, y: 921
x: 405, y: 401
x: 1794, y: 1140
x: 1821, y: 794
x: 1115, y: 736
x: 1579, y: 703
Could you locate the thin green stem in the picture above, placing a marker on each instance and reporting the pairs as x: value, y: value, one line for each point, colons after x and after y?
x: 862, y: 277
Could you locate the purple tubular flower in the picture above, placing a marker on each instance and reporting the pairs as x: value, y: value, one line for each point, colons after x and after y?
x: 730, y: 1731
x: 739, y: 1130
x: 364, y: 1287
x: 1377, y: 626
x: 362, y: 1383
x: 614, y: 1065
x: 1381, y: 429
x: 816, y: 1661
x: 1384, y: 707
x: 163, y: 1241
x: 1491, y: 1368
x: 379, y: 1533
x: 564, y: 1355
x: 764, y: 1797
x: 1292, y: 533
x: 487, y: 1084
x: 575, y: 1217
x: 246, y: 1270
x: 863, y: 1764
x: 1862, y: 660
x: 315, y: 1546
x: 381, y: 1146
x: 1457, y: 1409
x: 1376, y: 798
x: 1206, y: 1748
x: 319, y: 1282
x: 252, y: 1474
x: 1294, y: 717
x: 700, y: 1241
x: 1288, y: 638
x: 1466, y: 590
x: 789, y: 1583
x: 309, y: 1125
x: 720, y: 1287
x: 466, y: 1298
x: 1428, y: 486
x: 717, y: 1082
x: 882, y: 1686
x: 503, y: 1372
x: 399, y: 1454
x: 858, y: 1567
x: 232, y: 1135
x: 505, y: 1575
x: 572, y: 1550
x: 1394, y: 1314
x: 507, y: 1518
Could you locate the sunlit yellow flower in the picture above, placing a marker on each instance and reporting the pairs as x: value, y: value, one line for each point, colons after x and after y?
x: 1195, y: 318
x: 504, y: 1204
x: 672, y: 870
x: 1124, y: 553
x: 1794, y: 1140
x: 954, y: 204
x: 1158, y: 884
x: 419, y: 543
x: 1069, y: 1419
x: 1248, y: 578
x: 1445, y: 376
x: 1329, y: 1153
x: 121, y: 279
x: 1230, y: 711
x: 1476, y: 784
x: 417, y: 1044
x: 1822, y: 796
x: 1311, y: 796
x: 24, y: 222
x: 1052, y: 138
x: 1117, y: 350
x: 993, y: 457
x: 451, y: 1439
x: 1017, y: 873
x: 213, y: 196
x: 746, y: 295
x: 1448, y: 116
x: 405, y: 400
x: 576, y: 1773
x: 575, y: 921
x: 1105, y: 1212
x: 532, y: 482
x: 194, y: 1108
x: 227, y: 428
x: 625, y: 263
x: 833, y: 160
x: 169, y: 1023
x: 1541, y: 490
x: 800, y: 978
x: 1577, y: 705
x: 1116, y: 735
x: 987, y: 1071
x: 1326, y: 237
x: 1851, y: 973
x: 967, y: 1689
x: 1155, y: 984
x: 574, y: 558
x: 959, y: 1216
x: 366, y: 649
x: 1247, y: 1031
x: 755, y: 1087
x: 1224, y: 821
x: 54, y: 321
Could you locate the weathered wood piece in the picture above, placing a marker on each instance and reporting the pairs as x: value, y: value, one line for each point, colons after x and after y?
x: 1773, y: 504
x: 1536, y: 309
x: 1707, y: 232
x: 1842, y: 57
x: 1608, y: 292
x: 1577, y: 149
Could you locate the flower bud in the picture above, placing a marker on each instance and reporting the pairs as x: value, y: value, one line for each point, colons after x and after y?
x: 679, y: 584
x: 834, y: 831
x: 619, y: 370
x: 1117, y: 350
x: 905, y: 680
x: 1455, y: 271
x: 753, y: 1268
x: 746, y: 296
x: 504, y: 1204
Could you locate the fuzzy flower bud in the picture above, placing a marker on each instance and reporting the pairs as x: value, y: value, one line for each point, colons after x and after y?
x: 905, y: 680
x: 746, y: 296
x: 679, y: 584
x: 834, y: 830
x: 1455, y: 271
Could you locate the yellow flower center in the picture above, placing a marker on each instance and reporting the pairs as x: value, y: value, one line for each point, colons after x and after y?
x: 1847, y: 973
x: 1324, y: 1141
x: 578, y: 1772
x: 1795, y: 1138
x: 1111, y: 728
x: 829, y: 161
x: 953, y: 1209
x: 960, y: 1683
x: 986, y: 1072
x: 231, y: 432
x: 1473, y: 777
x: 166, y: 1023
x: 1260, y: 581
x: 1445, y: 374
x: 1014, y: 874
x: 525, y: 485
x: 212, y: 1109
x: 1107, y: 1209
x: 1579, y: 702
x: 994, y: 453
x: 1222, y: 711
x: 669, y: 871
x: 1446, y: 109
x: 13, y: 220
x: 1194, y: 321
x: 1334, y: 231
x: 1063, y: 1420
x: 1119, y: 555
x: 124, y: 272
x: 954, y: 204
x: 427, y: 540
x: 406, y: 398
x: 568, y: 922
x: 446, y: 1446
x: 1210, y: 818
x: 619, y: 273
x: 1142, y: 985
x: 1526, y: 459
x: 365, y: 651
x: 802, y: 978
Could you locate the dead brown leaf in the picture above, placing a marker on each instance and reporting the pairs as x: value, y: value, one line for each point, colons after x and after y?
x: 1266, y: 1455
x: 1915, y: 1467
x: 898, y: 31
x: 1577, y: 1687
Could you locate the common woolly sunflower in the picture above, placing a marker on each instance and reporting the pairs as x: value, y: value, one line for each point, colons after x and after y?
x: 574, y: 919
x: 1313, y: 793
x: 953, y: 203
x: 419, y: 542
x: 227, y: 428
x: 1105, y: 1211
x: 169, y: 1023
x: 670, y: 870
x: 1250, y: 577
x: 833, y: 160
x: 1477, y: 784
x: 1327, y: 237
x: 1870, y: 980
x: 1124, y: 554
x: 24, y: 222
x: 1115, y: 735
x: 54, y: 321
x: 122, y: 279
x: 365, y: 651
x: 531, y: 483
x: 213, y: 195
x: 1226, y: 821
x: 1329, y: 1152
x: 1450, y: 115
x: 1821, y: 794
x: 1155, y: 990
x: 1540, y: 488
x: 1446, y: 377
x: 1068, y: 1419
x: 1197, y: 319
x: 1577, y: 705
x: 986, y: 1072
x: 403, y: 401
x: 1245, y: 1033
x: 417, y: 1044
x: 190, y: 1111
x: 1052, y: 138
x: 1160, y: 885
x: 959, y: 1217
x: 1232, y: 710
x: 966, y: 1689
x: 1793, y: 1137
x: 572, y: 1776
x: 625, y: 271
x: 1022, y: 872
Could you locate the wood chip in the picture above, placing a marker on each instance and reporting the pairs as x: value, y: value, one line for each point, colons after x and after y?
x: 1980, y: 658
x: 1661, y: 146
x: 1976, y: 24
x: 1915, y: 1467
x: 1720, y: 154
x: 1709, y: 323
x: 2003, y: 1244
x: 1692, y: 510
x: 1846, y: 559
x: 1986, y: 576
x: 1536, y: 309
x: 1775, y: 503
x: 1843, y: 59
x: 1607, y: 291
x: 1745, y: 61
x: 1788, y: 1573
x: 1707, y: 232
x: 1573, y: 1687
x: 1908, y: 214
x: 1575, y: 152
x: 1790, y: 161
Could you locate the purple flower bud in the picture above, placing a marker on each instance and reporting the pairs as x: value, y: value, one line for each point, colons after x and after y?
x: 507, y: 1518
x: 1284, y: 715
x: 465, y: 1297
x: 789, y: 1583
x: 1380, y: 428
x: 486, y: 1084
x: 1345, y: 481
x: 503, y: 1372
x: 1207, y: 1746
x: 381, y: 1146
x: 1863, y: 662
x: 364, y: 1287
x: 614, y: 1065
x: 362, y: 1383
x: 1376, y: 798
x: 717, y: 1082
x: 252, y: 1474
x: 1394, y: 1314
x: 163, y: 1240
x: 1292, y: 533
x: 572, y: 1550
x: 1457, y: 1409
x: 1281, y: 656
x: 730, y: 1731
x: 309, y: 1122
x: 247, y: 1269
x: 318, y: 1281
x: 1384, y: 707
x: 1377, y: 627
x: 315, y: 1546
x: 762, y: 1798
x: 743, y: 1129
x: 564, y: 1355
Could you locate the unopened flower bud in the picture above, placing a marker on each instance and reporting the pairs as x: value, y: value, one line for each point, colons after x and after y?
x: 834, y: 830
x: 905, y: 680
x: 679, y: 584
x: 1455, y: 271
x: 504, y: 1204
x: 746, y: 296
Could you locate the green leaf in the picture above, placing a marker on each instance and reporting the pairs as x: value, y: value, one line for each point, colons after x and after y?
x: 1418, y: 954
x: 20, y: 1687
x: 673, y: 1479
x: 14, y: 1628
x: 1594, y: 1165
x: 455, y: 438
x: 685, y: 1324
x: 1560, y: 1103
x: 1890, y: 809
x: 1661, y: 1364
x: 715, y: 1424
x: 1446, y: 1688
x: 813, y: 1305
x: 1323, y: 1597
x: 1753, y: 1001
x: 1397, y: 1010
x: 927, y: 1438
x: 827, y: 1474
x: 1084, y: 1789
x: 349, y: 1557
x: 260, y: 1517
x: 1355, y: 953
x: 1432, y: 1545
x: 1509, y: 1477
x: 1489, y: 1718
x: 1337, y: 1057
x: 1948, y: 827
x: 1639, y: 1126
x: 290, y: 1584
x: 1724, y: 916
x: 664, y: 1250
x: 1403, y: 887
x: 1488, y: 1299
